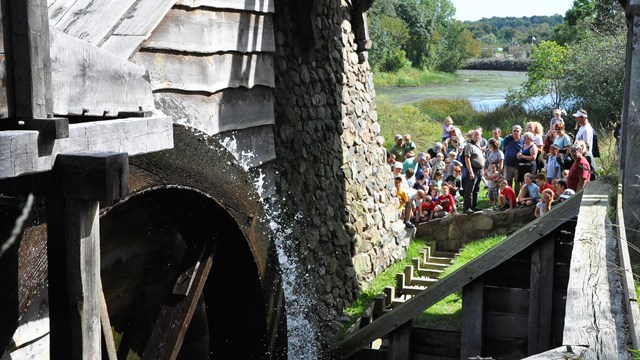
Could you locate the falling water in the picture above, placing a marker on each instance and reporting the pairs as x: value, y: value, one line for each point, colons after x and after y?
x: 301, y: 336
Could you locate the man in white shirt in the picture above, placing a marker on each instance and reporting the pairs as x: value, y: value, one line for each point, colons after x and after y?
x: 585, y: 133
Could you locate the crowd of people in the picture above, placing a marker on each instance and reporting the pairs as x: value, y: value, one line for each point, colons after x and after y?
x: 528, y: 167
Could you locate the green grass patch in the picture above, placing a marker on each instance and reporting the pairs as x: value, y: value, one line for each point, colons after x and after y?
x: 406, y: 119
x: 408, y: 76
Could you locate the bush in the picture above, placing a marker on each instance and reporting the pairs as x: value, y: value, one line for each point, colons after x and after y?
x: 394, y: 61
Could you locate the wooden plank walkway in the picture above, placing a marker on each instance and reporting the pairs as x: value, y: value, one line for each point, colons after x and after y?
x: 595, y: 312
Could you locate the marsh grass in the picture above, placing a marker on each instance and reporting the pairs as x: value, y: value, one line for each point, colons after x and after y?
x: 408, y: 77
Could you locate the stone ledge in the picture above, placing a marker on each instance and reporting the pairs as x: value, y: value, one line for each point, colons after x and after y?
x: 452, y: 232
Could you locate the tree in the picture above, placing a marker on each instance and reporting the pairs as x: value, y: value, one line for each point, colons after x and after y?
x: 594, y: 75
x: 546, y: 76
x: 388, y: 34
x: 453, y: 45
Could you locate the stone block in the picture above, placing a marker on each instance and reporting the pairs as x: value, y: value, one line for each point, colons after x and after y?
x: 362, y: 264
x: 482, y: 222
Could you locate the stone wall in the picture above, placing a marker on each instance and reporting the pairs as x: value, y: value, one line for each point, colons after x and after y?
x: 336, y: 190
x: 452, y: 232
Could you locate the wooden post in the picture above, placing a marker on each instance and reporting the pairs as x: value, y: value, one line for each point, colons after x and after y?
x: 400, y: 342
x: 31, y: 59
x: 629, y: 164
x: 73, y: 245
x: 472, y: 319
x: 541, y: 296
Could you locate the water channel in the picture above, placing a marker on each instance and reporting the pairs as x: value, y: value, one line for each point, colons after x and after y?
x: 486, y: 90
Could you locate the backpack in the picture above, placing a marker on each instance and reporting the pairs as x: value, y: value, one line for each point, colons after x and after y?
x: 596, y: 149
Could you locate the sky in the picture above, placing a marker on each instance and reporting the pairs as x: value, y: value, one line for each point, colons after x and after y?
x: 477, y: 9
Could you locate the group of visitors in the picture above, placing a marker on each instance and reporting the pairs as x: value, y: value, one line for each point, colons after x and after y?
x: 534, y: 168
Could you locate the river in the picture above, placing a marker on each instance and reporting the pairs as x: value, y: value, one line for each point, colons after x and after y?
x: 486, y: 90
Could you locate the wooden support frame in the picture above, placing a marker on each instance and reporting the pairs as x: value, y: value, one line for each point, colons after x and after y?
x: 73, y: 249
x: 471, y: 333
x: 541, y: 296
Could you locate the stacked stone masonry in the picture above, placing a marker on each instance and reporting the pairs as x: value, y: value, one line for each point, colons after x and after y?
x: 331, y: 167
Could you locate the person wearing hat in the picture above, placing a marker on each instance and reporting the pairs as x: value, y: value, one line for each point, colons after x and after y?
x: 398, y: 148
x: 585, y: 132
x: 435, y: 149
x: 412, y: 162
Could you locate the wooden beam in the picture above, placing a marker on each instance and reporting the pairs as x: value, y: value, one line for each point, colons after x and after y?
x: 541, y: 296
x: 174, y: 319
x: 513, y: 245
x: 471, y: 335
x: 73, y: 243
x: 31, y: 62
x: 92, y: 81
x: 48, y: 129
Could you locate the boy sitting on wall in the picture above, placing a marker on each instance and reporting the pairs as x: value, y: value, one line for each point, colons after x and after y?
x: 507, y: 198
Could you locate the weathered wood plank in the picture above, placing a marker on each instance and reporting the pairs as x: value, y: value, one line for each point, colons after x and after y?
x: 89, y: 20
x: 204, y: 31
x: 19, y: 152
x: 508, y: 300
x: 471, y: 334
x: 81, y: 71
x: 435, y: 342
x: 513, y: 245
x: 266, y: 6
x: 499, y: 325
x: 541, y: 296
x: 123, y: 45
x: 568, y: 352
x: 595, y: 309
x: 207, y: 73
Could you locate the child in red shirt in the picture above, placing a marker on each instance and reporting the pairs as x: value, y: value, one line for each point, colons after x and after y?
x: 445, y: 204
x: 507, y: 197
x: 428, y: 206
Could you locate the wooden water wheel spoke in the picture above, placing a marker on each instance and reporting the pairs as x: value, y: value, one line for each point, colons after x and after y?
x: 175, y: 316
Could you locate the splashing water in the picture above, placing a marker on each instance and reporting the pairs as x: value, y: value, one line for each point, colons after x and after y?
x: 301, y: 336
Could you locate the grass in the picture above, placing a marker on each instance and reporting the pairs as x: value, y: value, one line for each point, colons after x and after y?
x: 408, y: 76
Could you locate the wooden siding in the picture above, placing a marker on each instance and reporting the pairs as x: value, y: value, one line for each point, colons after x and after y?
x: 203, y: 31
x: 90, y: 80
x: 233, y: 109
x: 207, y: 73
x: 266, y: 6
x: 89, y: 20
